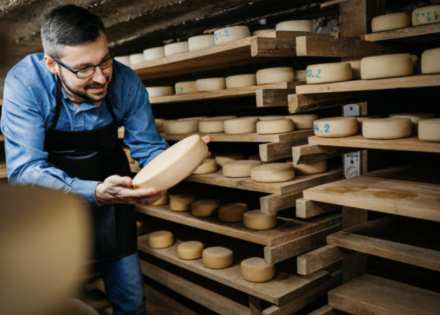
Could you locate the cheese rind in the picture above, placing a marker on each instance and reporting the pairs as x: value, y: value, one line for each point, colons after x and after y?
x: 160, y: 124
x: 185, y: 87
x: 295, y: 26
x: 210, y: 84
x: 311, y: 168
x: 240, y: 125
x: 125, y: 60
x: 222, y: 159
x: 160, y: 239
x: 136, y: 58
x: 335, y: 127
x: 232, y: 212
x: 355, y: 68
x: 204, y: 207
x: 386, y: 66
x: 181, y: 202
x: 303, y: 121
x: 430, y: 61
x: 176, y: 48
x: 155, y: 91
x: 387, y: 128
x: 239, y: 168
x: 177, y: 127
x: 300, y: 75
x: 415, y: 117
x: 229, y: 34
x: 190, y: 250
x: 162, y: 200
x: 208, y: 166
x: 426, y: 15
x: 257, y: 270
x: 211, y: 126
x: 220, y: 118
x: 259, y: 221
x: 242, y: 80
x: 271, y: 117
x: 275, y: 75
x: 275, y: 126
x: 273, y: 173
x: 265, y: 31
x: 200, y: 42
x: 217, y: 257
x: 154, y: 53
x: 429, y: 130
x: 329, y: 72
x: 391, y: 21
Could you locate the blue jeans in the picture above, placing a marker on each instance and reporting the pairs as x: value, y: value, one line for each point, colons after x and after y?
x: 124, y: 285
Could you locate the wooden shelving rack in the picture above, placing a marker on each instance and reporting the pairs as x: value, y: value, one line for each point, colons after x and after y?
x: 429, y: 33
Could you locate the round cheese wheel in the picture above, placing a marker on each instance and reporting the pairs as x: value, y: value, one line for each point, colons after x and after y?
x: 240, y: 125
x: 311, y: 168
x: 361, y: 119
x: 181, y: 202
x: 199, y: 118
x: 176, y: 48
x: 205, y: 207
x: 295, y: 26
x: 303, y: 121
x: 154, y: 53
x: 208, y: 166
x: 429, y: 130
x: 211, y: 126
x: 386, y: 66
x: 239, y: 168
x: 228, y: 157
x: 387, y: 128
x: 155, y: 91
x: 162, y: 200
x: 275, y: 75
x: 210, y: 84
x: 123, y: 59
x: 136, y: 58
x: 415, y: 117
x: 271, y: 117
x: 300, y: 75
x: 257, y: 270
x: 229, y: 34
x: 173, y: 165
x: 190, y: 250
x: 160, y: 124
x: 242, y: 80
x: 177, y: 127
x: 391, y: 21
x: 217, y: 257
x: 200, y: 42
x: 257, y: 220
x: 329, y: 72
x: 275, y: 126
x: 265, y: 31
x: 232, y: 212
x: 160, y: 239
x: 139, y: 227
x: 335, y: 127
x: 219, y: 118
x: 185, y: 87
x: 273, y: 173
x: 355, y: 68
x: 426, y: 15
x: 430, y: 61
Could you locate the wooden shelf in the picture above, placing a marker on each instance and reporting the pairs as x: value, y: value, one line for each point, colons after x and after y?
x: 3, y: 172
x: 2, y: 137
x: 412, y: 35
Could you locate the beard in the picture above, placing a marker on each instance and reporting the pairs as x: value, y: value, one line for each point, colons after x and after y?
x: 87, y: 95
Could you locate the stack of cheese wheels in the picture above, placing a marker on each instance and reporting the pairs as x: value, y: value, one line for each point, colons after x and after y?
x: 123, y: 59
x: 257, y: 270
x: 273, y: 173
x: 275, y: 126
x: 139, y: 228
x: 426, y: 15
x: 181, y: 202
x: 210, y: 84
x: 185, y: 87
x: 429, y: 130
x: 160, y: 124
x: 300, y: 75
x: 136, y: 58
x: 229, y: 34
x: 162, y: 200
x: 208, y: 166
x: 386, y: 66
x: 239, y: 168
x: 200, y: 42
x: 361, y: 119
x: 329, y: 72
x: 303, y: 121
x: 240, y: 125
x: 155, y: 91
x: 154, y: 53
x: 335, y: 127
x: 265, y: 31
x: 176, y: 48
x: 355, y: 68
x: 211, y: 126
x: 415, y: 117
x: 190, y: 250
x: 391, y: 21
x: 177, y: 127
x: 430, y: 61
x: 275, y: 75
x: 387, y: 128
x: 242, y: 80
x: 204, y: 207
x: 160, y: 239
x: 295, y: 26
x: 311, y: 168
x: 217, y: 257
x: 232, y: 212
x: 222, y: 159
x: 259, y: 221
x: 173, y: 165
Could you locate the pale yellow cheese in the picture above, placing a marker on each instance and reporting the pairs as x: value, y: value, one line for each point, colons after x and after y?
x: 200, y: 42
x: 426, y: 15
x: 242, y: 80
x: 211, y: 126
x: 387, y: 128
x: 181, y: 202
x: 208, y: 166
x: 154, y: 53
x: 336, y: 127
x: 185, y: 87
x: 160, y: 239
x: 232, y: 212
x: 361, y: 119
x: 430, y: 61
x: 259, y: 221
x: 273, y: 173
x: 177, y: 127
x: 275, y: 126
x: 256, y: 269
x: 176, y: 48
x: 198, y: 118
x: 386, y: 66
x: 162, y: 200
x: 391, y: 21
x: 355, y: 68
x: 210, y: 84
x: 429, y: 130
x: 303, y: 121
x: 220, y: 118
x: 160, y: 124
x: 311, y: 168
x: 123, y: 59
x: 265, y: 31
x: 231, y: 33
x: 271, y: 117
x: 155, y: 91
x: 240, y: 125
x: 275, y: 75
x: 136, y: 58
x: 204, y: 207
x: 222, y: 159
x: 415, y: 117
x: 300, y: 75
x: 296, y: 26
x: 217, y: 257
x: 239, y: 168
x: 190, y: 250
x: 329, y: 72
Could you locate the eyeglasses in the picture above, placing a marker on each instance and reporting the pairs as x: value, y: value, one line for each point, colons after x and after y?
x: 88, y: 71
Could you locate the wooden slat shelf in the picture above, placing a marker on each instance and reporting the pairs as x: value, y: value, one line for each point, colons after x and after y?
x: 412, y: 35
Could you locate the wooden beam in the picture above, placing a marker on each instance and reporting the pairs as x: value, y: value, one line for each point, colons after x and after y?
x: 355, y: 16
x: 306, y: 209
x: 320, y: 258
x: 272, y: 97
x: 255, y: 305
x: 325, y: 310
x: 300, y: 103
x: 280, y: 150
x: 331, y: 3
x: 275, y: 203
x: 312, y: 153
x: 272, y: 47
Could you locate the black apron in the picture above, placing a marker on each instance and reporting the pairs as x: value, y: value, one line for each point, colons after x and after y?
x: 96, y: 155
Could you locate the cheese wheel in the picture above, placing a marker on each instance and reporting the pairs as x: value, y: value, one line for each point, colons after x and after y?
x: 160, y: 124
x: 210, y: 84
x: 300, y: 75
x: 199, y: 118
x: 273, y: 173
x: 211, y: 126
x: 177, y: 127
x: 257, y: 270
x: 155, y: 91
x: 205, y: 207
x: 200, y: 42
x: 265, y: 31
x: 139, y: 227
x: 185, y: 87
x: 275, y: 126
x: 190, y: 250
x: 242, y: 80
x: 136, y: 58
x: 181, y: 202
x: 239, y: 168
x: 228, y: 157
x: 217, y: 257
x: 255, y: 157
x: 271, y: 117
x: 311, y: 168
x: 154, y: 53
x: 335, y: 127
x: 232, y: 212
x: 229, y: 34
x: 176, y: 48
x: 387, y: 128
x: 386, y: 66
x: 329, y: 72
x: 355, y: 68
x: 426, y: 15
x: 173, y: 165
x: 361, y: 119
x: 275, y: 75
x: 429, y: 130
x: 208, y: 166
x: 415, y: 117
x: 219, y: 118
x: 259, y: 221
x: 123, y: 59
x: 430, y: 61
x: 303, y: 121
x: 295, y: 26
x: 240, y: 125
x: 160, y: 239
x: 162, y: 200
x: 391, y: 21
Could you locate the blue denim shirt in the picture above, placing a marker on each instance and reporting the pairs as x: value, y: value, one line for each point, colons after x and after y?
x: 28, y: 110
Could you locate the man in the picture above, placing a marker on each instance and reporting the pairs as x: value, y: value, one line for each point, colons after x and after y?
x: 60, y: 117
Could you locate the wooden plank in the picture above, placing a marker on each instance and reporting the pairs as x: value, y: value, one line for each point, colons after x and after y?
x: 355, y: 16
x: 325, y: 310
x: 373, y: 295
x: 407, y: 33
x: 273, y: 97
x: 275, y: 203
x: 300, y: 103
x: 306, y: 209
x: 280, y: 150
x: 313, y: 153
x: 3, y: 171
x: 2, y: 138
x: 254, y: 305
x: 272, y: 47
x: 320, y: 258
x: 331, y: 3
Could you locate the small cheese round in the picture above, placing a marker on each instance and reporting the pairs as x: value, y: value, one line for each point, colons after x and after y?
x: 162, y: 200
x: 239, y: 168
x: 176, y: 127
x: 271, y: 117
x: 387, y: 128
x: 228, y: 157
x: 200, y: 42
x: 190, y: 250
x: 240, y: 125
x: 430, y: 61
x: 275, y: 126
x: 257, y: 220
x: 311, y: 168
x: 136, y: 58
x: 303, y: 121
x: 155, y: 91
x: 205, y: 207
x: 154, y: 53
x: 219, y: 118
x: 355, y: 68
x: 232, y: 212
x: 181, y: 202
x: 391, y: 21
x: 265, y: 31
x: 386, y: 66
x: 185, y: 87
x: 257, y: 270
x: 335, y: 127
x: 176, y: 48
x: 295, y: 26
x: 415, y: 117
x: 242, y: 80
x: 273, y: 173
x: 217, y: 257
x: 300, y: 75
x: 211, y: 126
x: 229, y: 34
x: 208, y: 166
x: 361, y: 119
x: 329, y: 72
x: 210, y: 84
x: 429, y: 130
x: 275, y: 75
x: 125, y: 60
x: 160, y: 239
x: 139, y: 228
x: 426, y: 15
x: 160, y: 124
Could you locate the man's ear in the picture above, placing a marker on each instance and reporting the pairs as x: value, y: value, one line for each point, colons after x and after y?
x: 51, y: 64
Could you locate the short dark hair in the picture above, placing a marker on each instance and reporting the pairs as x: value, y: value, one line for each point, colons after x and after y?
x: 69, y: 25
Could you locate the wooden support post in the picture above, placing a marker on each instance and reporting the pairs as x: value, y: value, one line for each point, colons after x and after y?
x: 279, y: 150
x: 320, y: 258
x: 300, y: 103
x: 306, y: 209
x: 273, y: 97
x: 255, y: 305
x: 313, y: 153
x: 355, y: 16
x: 274, y: 203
